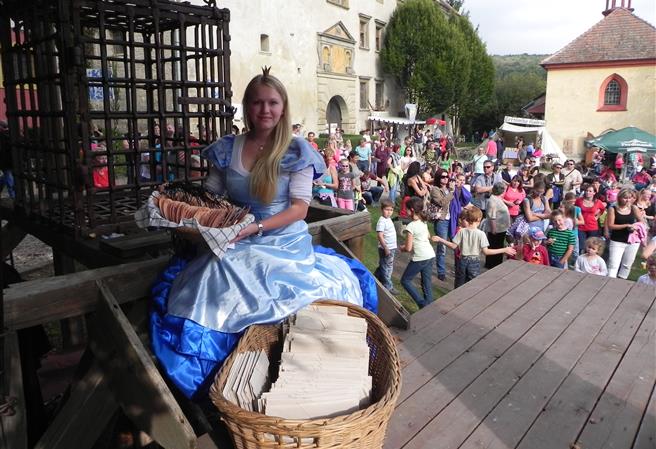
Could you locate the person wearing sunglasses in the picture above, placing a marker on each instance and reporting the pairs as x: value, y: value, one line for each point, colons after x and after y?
x: 573, y: 177
x: 440, y: 196
x: 482, y: 187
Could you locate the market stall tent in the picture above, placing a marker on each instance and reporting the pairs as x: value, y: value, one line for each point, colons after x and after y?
x: 535, y: 134
x: 625, y: 140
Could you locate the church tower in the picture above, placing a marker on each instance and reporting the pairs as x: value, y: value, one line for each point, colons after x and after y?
x: 612, y: 5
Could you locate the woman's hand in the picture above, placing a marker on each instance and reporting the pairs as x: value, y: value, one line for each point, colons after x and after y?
x: 246, y: 232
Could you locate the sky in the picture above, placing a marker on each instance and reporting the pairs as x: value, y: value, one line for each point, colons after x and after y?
x: 540, y: 26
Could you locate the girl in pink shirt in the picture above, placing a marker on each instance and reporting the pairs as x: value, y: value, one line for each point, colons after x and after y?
x: 514, y: 196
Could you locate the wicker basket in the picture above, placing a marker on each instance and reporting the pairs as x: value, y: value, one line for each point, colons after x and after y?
x: 364, y: 429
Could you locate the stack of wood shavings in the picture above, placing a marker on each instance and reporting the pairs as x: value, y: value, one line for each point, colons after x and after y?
x: 248, y: 379
x: 324, y: 370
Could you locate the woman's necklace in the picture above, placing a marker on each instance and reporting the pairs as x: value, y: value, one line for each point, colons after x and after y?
x: 259, y: 146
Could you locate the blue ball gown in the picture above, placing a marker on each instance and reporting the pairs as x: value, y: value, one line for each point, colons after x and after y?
x: 203, y: 305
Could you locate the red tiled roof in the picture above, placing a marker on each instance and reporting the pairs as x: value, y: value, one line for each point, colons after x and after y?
x: 619, y: 36
x: 537, y: 108
x: 536, y: 105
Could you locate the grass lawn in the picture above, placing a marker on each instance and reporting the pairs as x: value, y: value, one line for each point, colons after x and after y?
x: 636, y: 269
x: 371, y: 262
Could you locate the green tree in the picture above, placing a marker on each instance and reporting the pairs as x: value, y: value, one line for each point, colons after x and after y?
x: 516, y: 90
x: 476, y: 91
x: 426, y: 55
x: 456, y: 4
x: 518, y: 80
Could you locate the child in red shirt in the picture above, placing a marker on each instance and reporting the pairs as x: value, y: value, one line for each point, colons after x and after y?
x: 534, y: 251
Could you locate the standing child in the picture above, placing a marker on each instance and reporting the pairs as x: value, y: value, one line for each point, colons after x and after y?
x: 573, y: 219
x: 650, y: 277
x: 472, y: 242
x: 591, y: 262
x: 560, y: 241
x: 611, y: 194
x: 534, y: 251
x: 423, y: 255
x: 386, y: 234
x: 345, y: 187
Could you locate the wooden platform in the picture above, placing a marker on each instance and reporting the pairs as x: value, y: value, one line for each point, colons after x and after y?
x: 530, y: 357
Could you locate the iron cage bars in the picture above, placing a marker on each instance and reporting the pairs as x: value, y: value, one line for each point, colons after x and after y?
x: 125, y: 67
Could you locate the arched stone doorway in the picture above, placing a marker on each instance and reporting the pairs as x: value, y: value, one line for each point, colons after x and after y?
x: 335, y: 110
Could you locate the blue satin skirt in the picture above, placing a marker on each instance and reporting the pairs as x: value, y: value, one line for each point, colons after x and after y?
x: 191, y: 354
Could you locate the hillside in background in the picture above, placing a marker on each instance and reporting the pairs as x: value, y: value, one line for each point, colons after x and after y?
x: 518, y: 80
x: 524, y: 64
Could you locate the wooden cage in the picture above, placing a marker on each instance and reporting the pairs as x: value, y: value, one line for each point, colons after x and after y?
x: 106, y: 99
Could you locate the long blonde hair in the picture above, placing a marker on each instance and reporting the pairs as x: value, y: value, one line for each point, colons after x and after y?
x: 265, y: 172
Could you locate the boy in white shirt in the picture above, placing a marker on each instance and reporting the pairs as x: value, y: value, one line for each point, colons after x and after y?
x: 386, y: 234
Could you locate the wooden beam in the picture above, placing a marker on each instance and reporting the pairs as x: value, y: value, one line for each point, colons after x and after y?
x: 318, y: 212
x: 344, y: 227
x: 13, y: 429
x: 85, y: 414
x: 72, y: 329
x: 138, y: 386
x: 85, y: 251
x: 11, y: 236
x: 136, y: 245
x: 55, y: 298
x: 356, y: 245
x: 389, y: 309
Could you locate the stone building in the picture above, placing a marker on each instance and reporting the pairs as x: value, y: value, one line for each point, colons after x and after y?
x: 604, y: 79
x: 326, y: 52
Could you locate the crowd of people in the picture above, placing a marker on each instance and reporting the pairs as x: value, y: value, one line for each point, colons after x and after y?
x: 358, y: 176
x: 592, y: 218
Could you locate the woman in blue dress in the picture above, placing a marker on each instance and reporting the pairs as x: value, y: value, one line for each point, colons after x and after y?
x: 203, y: 305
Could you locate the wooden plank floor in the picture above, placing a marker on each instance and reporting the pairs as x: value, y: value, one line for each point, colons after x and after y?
x: 530, y: 357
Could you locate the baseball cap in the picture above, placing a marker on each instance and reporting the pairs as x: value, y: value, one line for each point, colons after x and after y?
x: 536, y: 234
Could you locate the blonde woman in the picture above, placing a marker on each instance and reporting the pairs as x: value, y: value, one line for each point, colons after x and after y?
x: 273, y: 269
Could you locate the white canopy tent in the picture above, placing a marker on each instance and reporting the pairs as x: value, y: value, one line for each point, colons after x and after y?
x: 396, y: 120
x: 534, y: 134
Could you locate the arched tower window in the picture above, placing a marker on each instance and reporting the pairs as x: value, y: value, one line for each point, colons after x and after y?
x: 613, y: 94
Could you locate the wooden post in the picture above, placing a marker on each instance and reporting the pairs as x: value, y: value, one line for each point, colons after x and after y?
x: 138, y: 387
x: 13, y: 428
x: 85, y: 414
x: 72, y: 329
x: 390, y: 311
x: 356, y: 245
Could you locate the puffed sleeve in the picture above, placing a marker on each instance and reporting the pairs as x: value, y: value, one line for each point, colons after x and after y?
x: 215, y: 181
x: 300, y: 184
x: 220, y: 152
x: 301, y: 155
